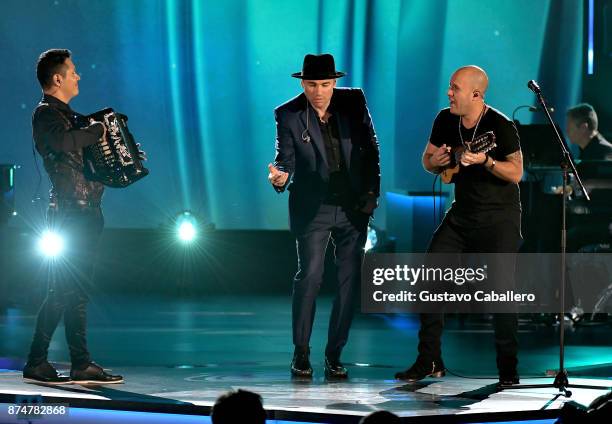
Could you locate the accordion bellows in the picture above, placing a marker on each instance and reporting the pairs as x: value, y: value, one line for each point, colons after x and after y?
x: 113, y: 161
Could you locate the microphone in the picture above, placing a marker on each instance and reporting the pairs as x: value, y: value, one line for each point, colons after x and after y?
x: 535, y: 109
x: 533, y: 86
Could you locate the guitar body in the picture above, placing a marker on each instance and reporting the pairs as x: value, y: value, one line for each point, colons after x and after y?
x: 453, y: 168
x: 481, y: 144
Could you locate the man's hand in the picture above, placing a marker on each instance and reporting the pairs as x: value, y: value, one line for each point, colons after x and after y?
x: 367, y: 203
x: 276, y: 177
x: 469, y: 158
x: 440, y: 157
x: 142, y: 155
x: 92, y: 122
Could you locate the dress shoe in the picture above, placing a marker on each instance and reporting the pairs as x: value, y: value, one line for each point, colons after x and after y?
x: 300, y: 365
x: 93, y: 374
x: 421, y: 369
x: 334, y: 368
x: 508, y: 379
x: 43, y: 373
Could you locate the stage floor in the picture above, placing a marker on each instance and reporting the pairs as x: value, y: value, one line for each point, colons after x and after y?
x: 194, y: 390
x: 178, y: 356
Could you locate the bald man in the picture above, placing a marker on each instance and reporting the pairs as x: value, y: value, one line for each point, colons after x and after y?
x: 485, y: 215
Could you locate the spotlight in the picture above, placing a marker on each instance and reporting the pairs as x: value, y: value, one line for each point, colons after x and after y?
x: 372, y: 239
x: 186, y: 226
x: 51, y: 244
x: 186, y: 231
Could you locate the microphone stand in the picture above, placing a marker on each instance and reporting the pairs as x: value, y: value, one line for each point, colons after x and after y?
x: 567, y: 165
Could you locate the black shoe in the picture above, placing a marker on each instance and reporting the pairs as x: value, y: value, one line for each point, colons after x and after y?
x: 43, y: 373
x: 421, y: 369
x: 334, y: 368
x: 508, y: 379
x: 300, y: 365
x: 93, y: 374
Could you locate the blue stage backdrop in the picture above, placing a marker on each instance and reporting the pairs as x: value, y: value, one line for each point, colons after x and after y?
x: 199, y: 81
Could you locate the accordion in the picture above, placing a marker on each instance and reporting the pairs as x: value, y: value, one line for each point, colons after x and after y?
x: 113, y: 161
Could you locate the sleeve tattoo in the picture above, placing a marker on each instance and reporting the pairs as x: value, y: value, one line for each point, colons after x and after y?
x: 516, y: 157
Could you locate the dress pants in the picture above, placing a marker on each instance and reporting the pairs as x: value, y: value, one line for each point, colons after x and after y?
x: 69, y: 280
x: 457, y: 235
x: 348, y: 230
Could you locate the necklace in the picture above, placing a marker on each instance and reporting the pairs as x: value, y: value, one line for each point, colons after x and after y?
x: 482, y: 112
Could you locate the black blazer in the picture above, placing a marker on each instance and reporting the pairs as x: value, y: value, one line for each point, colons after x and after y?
x: 306, y: 162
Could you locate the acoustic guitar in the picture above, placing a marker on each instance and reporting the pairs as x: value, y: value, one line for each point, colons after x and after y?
x: 481, y: 144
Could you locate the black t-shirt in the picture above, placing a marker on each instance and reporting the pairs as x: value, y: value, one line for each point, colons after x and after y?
x: 479, y: 193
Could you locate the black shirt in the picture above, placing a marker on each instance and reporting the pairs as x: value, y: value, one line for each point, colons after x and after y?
x: 478, y: 192
x: 339, y: 185
x: 331, y: 138
x: 597, y: 149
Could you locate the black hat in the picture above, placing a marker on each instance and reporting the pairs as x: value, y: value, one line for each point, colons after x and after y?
x: 318, y: 67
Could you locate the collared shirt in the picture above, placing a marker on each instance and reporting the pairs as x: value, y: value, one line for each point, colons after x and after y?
x: 331, y: 139
x: 339, y: 183
x: 59, y: 135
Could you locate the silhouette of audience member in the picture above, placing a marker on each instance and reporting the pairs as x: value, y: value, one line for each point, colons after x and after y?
x: 240, y: 406
x: 380, y: 417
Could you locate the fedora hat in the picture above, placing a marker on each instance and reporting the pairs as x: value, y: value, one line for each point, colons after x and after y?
x: 318, y: 67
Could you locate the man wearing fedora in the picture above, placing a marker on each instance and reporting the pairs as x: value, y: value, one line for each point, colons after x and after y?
x: 327, y: 157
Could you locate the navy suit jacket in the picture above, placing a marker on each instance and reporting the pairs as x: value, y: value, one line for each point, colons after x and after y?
x: 306, y: 162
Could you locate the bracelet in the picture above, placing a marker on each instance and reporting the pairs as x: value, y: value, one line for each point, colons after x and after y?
x: 492, y: 165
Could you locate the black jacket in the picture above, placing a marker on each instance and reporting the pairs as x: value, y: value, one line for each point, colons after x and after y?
x: 306, y: 162
x: 59, y: 136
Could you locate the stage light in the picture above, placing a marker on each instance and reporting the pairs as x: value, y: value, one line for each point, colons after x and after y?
x: 51, y: 244
x: 186, y: 226
x: 186, y: 231
x: 372, y: 239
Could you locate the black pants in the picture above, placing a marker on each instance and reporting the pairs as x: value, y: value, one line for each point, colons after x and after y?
x: 68, y: 284
x: 457, y: 235
x: 348, y: 233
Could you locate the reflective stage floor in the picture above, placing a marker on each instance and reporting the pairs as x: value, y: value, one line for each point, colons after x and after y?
x: 178, y: 356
